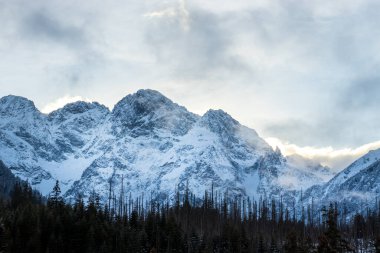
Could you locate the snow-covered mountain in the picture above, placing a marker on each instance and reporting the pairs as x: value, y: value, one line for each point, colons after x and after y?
x: 357, y: 187
x: 150, y: 145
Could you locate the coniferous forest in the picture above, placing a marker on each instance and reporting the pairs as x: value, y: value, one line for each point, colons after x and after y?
x: 31, y: 223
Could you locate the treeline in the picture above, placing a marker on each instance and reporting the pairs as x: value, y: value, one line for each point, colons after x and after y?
x: 29, y: 223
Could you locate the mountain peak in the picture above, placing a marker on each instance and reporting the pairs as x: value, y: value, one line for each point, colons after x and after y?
x: 80, y: 107
x: 217, y: 113
x: 219, y: 121
x: 16, y: 106
x: 153, y: 94
x: 16, y: 103
x: 147, y: 110
x: 89, y: 110
x: 142, y: 102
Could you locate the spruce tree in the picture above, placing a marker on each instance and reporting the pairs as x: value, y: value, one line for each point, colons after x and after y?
x: 291, y: 243
x: 55, y: 199
x: 261, y: 246
x: 2, y: 237
x: 377, y: 244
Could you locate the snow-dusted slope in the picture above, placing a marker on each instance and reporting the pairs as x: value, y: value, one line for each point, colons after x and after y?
x: 318, y: 174
x: 357, y: 186
x: 150, y: 143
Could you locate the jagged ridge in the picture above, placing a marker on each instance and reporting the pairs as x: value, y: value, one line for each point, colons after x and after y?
x: 151, y: 143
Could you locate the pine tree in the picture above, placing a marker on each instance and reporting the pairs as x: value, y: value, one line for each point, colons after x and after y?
x: 2, y: 236
x: 377, y: 244
x: 261, y: 246
x: 273, y: 246
x: 55, y: 199
x: 331, y: 240
x: 291, y: 243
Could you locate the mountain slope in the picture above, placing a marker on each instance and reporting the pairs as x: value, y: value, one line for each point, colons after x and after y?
x: 357, y: 186
x: 148, y: 144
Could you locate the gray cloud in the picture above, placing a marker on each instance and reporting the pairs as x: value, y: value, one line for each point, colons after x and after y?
x: 69, y: 43
x: 362, y: 95
x: 201, y: 50
x: 351, y: 119
x: 41, y: 25
x: 303, y: 71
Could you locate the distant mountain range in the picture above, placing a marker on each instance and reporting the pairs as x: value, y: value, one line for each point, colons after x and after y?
x: 149, y: 144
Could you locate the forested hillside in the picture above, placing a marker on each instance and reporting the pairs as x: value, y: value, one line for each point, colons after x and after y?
x: 7, y: 180
x: 217, y: 224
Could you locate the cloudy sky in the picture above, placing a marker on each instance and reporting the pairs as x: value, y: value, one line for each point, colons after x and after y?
x: 304, y: 74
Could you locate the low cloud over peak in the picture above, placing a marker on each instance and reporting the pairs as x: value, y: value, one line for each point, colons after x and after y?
x: 337, y: 159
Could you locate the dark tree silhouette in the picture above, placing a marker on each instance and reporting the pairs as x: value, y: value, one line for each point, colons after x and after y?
x: 215, y: 223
